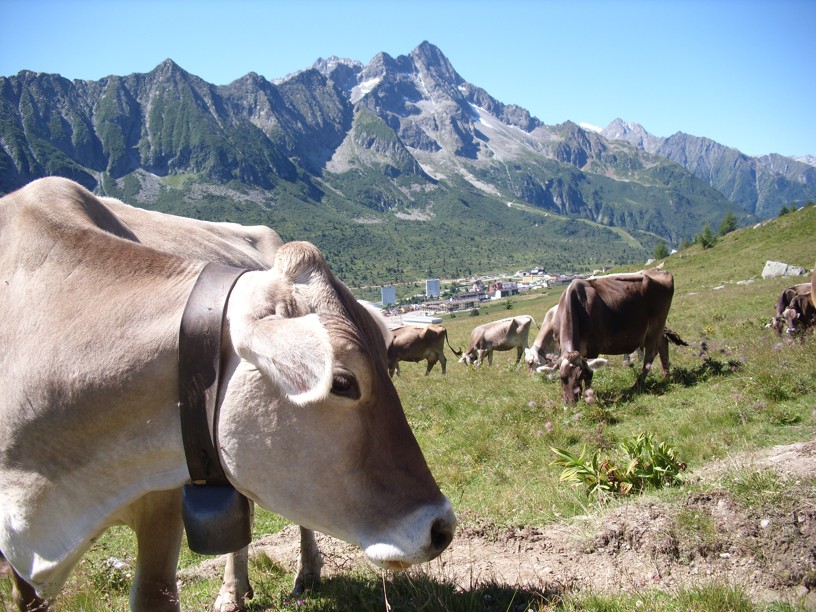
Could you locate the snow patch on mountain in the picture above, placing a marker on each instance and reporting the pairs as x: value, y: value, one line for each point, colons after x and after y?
x: 591, y: 128
x: 363, y: 88
x: 806, y: 159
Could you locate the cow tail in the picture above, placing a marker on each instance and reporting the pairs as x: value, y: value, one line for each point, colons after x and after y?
x: 455, y: 352
x: 674, y: 337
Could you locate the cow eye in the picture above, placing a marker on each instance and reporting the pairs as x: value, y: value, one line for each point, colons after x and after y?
x: 345, y: 385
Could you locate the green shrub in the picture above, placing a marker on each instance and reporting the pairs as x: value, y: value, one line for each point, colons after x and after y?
x: 647, y: 463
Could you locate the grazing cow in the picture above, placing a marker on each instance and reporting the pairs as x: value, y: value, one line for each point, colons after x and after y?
x: 779, y: 323
x: 613, y: 315
x: 409, y: 343
x: 502, y: 335
x: 309, y: 426
x: 800, y: 314
x: 544, y: 344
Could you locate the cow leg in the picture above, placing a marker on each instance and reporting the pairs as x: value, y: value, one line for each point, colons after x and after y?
x: 311, y: 561
x: 156, y: 519
x: 589, y: 394
x: 648, y: 358
x: 519, y: 353
x: 664, y: 356
x: 431, y: 363
x: 236, y: 587
x: 443, y: 361
x: 24, y: 595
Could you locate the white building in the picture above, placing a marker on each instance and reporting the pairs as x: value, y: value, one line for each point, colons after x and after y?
x: 432, y: 288
x: 389, y: 295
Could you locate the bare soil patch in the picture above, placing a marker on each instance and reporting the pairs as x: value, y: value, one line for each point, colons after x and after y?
x: 708, y: 537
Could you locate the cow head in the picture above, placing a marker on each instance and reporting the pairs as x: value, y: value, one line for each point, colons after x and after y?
x: 468, y: 357
x: 311, y: 426
x: 532, y: 358
x: 800, y: 315
x: 576, y: 375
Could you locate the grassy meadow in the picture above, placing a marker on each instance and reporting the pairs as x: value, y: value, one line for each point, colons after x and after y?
x: 487, y: 433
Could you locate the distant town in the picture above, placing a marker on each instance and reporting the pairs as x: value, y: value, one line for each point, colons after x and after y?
x: 468, y: 294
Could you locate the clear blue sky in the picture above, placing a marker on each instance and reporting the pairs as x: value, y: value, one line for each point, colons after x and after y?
x: 742, y: 72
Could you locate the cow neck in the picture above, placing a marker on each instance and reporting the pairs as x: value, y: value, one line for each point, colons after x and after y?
x: 199, y: 367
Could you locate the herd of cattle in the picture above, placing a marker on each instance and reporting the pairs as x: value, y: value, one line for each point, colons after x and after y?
x: 611, y: 315
x: 306, y: 419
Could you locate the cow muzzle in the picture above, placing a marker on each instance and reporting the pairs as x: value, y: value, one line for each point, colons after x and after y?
x: 418, y: 538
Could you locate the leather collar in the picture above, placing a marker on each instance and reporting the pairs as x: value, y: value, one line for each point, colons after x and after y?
x: 199, y: 370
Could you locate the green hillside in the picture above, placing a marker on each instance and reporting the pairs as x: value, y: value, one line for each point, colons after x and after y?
x: 488, y: 435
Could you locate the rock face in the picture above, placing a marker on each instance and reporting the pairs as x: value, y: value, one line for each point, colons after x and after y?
x: 761, y: 185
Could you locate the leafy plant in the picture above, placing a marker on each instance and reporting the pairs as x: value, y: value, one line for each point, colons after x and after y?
x: 647, y: 463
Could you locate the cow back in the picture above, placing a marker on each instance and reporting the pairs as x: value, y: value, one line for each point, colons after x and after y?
x: 613, y: 315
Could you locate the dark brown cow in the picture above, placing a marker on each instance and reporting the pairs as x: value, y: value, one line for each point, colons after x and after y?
x: 410, y: 343
x: 800, y: 314
x: 778, y: 323
x: 613, y: 315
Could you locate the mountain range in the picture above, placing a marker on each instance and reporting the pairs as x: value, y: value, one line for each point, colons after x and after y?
x: 397, y: 170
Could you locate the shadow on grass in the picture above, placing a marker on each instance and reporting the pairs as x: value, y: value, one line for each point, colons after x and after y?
x: 657, y: 385
x: 402, y: 592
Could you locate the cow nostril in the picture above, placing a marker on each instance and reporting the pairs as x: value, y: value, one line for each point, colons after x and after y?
x: 441, y: 534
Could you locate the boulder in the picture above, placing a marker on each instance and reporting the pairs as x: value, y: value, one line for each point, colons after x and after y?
x: 777, y: 268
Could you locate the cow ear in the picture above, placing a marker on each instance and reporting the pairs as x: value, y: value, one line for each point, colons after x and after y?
x: 597, y: 364
x: 295, y: 354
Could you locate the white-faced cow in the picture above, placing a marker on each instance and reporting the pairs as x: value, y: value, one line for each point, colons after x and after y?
x: 502, y: 335
x: 779, y: 322
x: 415, y: 343
x: 544, y: 345
x: 309, y: 426
x: 613, y: 315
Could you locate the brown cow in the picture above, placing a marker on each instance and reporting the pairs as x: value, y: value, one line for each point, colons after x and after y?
x: 613, y: 315
x: 545, y: 346
x: 779, y: 323
x: 800, y: 314
x: 415, y: 343
x: 502, y: 335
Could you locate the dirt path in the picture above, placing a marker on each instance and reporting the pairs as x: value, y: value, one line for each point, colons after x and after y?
x: 707, y: 537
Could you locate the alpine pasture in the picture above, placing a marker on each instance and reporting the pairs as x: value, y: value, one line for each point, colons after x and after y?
x: 488, y: 434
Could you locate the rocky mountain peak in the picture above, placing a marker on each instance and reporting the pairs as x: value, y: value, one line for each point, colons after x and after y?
x: 633, y: 133
x: 168, y: 68
x: 428, y: 58
x: 329, y: 65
